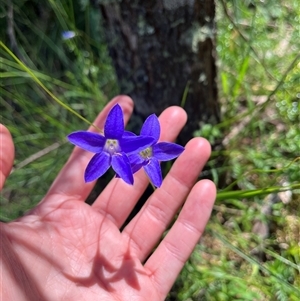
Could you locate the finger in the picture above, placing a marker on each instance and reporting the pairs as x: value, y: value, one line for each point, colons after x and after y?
x: 119, y: 198
x: 7, y: 154
x: 170, y: 256
x: 70, y: 181
x: 165, y: 202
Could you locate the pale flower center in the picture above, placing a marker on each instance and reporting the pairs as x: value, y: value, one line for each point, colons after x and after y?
x: 112, y: 146
x: 146, y: 153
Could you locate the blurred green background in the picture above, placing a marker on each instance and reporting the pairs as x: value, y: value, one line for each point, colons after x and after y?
x: 250, y: 250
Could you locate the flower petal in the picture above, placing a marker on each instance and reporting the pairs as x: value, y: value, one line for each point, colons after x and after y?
x: 153, y: 171
x: 114, y: 124
x: 98, y: 165
x: 128, y: 134
x: 136, y: 162
x: 121, y: 165
x: 151, y: 127
x: 131, y: 144
x: 165, y: 151
x: 91, y: 142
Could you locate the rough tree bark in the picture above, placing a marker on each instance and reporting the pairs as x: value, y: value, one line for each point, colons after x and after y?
x: 161, y: 48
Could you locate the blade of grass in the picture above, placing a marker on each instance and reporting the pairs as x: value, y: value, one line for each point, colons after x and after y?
x: 29, y: 71
x: 253, y: 261
x: 223, y: 195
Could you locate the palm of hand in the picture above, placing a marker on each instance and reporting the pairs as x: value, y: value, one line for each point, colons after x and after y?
x: 80, y: 253
x: 67, y: 250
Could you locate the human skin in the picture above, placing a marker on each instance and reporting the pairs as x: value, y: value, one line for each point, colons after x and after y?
x: 65, y: 249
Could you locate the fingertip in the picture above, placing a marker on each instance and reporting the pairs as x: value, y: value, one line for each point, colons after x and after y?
x: 3, y: 129
x: 122, y: 98
x: 199, y: 145
x: 177, y: 112
x: 174, y: 113
x: 199, y: 142
x: 208, y: 189
x: 172, y: 120
x: 125, y: 102
x: 7, y: 154
x: 200, y: 202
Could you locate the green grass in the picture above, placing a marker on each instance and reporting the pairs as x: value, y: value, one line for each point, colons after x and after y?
x: 76, y: 73
x: 245, y: 254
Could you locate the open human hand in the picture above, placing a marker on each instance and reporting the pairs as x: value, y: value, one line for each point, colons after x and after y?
x: 65, y: 249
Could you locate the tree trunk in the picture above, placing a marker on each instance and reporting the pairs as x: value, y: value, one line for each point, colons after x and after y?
x: 160, y: 50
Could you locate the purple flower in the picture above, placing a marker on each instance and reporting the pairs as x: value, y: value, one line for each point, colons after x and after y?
x: 66, y: 35
x: 111, y: 148
x: 149, y: 157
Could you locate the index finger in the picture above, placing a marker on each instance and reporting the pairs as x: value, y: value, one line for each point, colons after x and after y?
x: 70, y: 180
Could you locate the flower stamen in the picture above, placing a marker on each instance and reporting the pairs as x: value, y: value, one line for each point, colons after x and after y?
x: 146, y: 153
x: 112, y: 146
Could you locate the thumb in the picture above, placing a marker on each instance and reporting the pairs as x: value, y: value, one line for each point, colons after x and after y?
x: 7, y: 154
